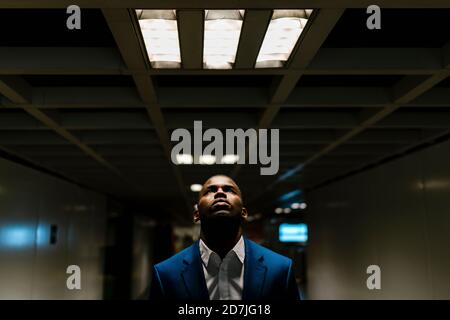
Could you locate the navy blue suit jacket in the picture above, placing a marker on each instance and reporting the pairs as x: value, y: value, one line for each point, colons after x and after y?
x: 267, y: 276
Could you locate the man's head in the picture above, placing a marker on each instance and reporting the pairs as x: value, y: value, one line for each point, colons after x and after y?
x: 220, y: 200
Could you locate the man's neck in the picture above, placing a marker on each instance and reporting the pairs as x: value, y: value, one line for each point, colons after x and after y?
x: 221, y: 245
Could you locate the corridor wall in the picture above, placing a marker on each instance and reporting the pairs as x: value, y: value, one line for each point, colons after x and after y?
x: 396, y: 216
x: 47, y: 224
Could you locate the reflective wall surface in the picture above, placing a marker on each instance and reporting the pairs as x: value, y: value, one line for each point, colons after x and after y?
x: 47, y: 224
x: 396, y: 216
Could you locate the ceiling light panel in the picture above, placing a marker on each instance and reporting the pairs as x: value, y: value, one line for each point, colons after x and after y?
x: 160, y: 32
x: 221, y: 38
x: 184, y: 159
x: 230, y: 159
x: 281, y: 36
x: 196, y: 187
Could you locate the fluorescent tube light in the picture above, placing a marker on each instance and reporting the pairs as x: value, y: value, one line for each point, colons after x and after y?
x: 221, y: 38
x: 281, y: 36
x: 160, y: 33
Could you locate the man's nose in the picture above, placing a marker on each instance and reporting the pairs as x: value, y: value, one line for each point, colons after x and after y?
x: 220, y: 194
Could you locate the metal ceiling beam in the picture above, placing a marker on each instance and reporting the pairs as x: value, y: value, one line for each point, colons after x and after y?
x: 369, y: 137
x: 15, y: 89
x: 130, y: 143
x: 106, y: 150
x: 18, y: 91
x: 190, y: 27
x: 372, y: 61
x: 290, y: 151
x: 315, y: 33
x: 221, y: 4
x: 125, y: 29
x: 406, y: 90
x: 61, y: 60
x: 328, y: 61
x: 81, y: 97
x: 378, y: 116
x: 92, y: 97
x: 29, y: 137
x: 225, y: 97
x: 344, y: 96
x: 403, y: 119
x: 63, y: 161
x: 252, y: 35
x: 212, y: 97
x: 296, y: 119
x: 106, y: 121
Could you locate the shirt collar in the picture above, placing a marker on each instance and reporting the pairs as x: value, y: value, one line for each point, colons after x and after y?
x: 205, y: 252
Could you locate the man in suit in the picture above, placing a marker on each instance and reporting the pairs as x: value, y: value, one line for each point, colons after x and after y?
x: 223, y: 264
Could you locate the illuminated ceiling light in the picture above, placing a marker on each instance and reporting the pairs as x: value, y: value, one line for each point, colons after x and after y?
x: 184, y: 159
x: 287, y: 210
x: 278, y: 210
x: 230, y: 159
x: 160, y: 32
x: 308, y: 12
x: 207, y: 159
x: 295, y: 205
x: 196, y: 187
x: 281, y: 36
x: 221, y: 38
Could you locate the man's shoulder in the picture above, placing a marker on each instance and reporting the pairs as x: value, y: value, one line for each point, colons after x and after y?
x: 176, y: 260
x: 270, y: 256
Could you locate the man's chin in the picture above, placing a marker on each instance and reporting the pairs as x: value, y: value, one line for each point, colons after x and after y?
x: 221, y: 219
x: 220, y: 226
x: 221, y: 213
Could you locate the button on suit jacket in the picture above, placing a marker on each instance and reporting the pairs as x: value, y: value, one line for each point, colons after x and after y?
x: 267, y: 276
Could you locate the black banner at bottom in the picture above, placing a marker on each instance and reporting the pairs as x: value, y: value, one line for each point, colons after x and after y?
x: 224, y: 310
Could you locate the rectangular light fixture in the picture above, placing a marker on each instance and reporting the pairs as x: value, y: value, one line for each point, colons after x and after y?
x: 207, y: 159
x: 196, y: 187
x: 221, y: 38
x: 160, y: 32
x: 288, y: 232
x: 230, y: 159
x: 184, y: 159
x: 281, y: 36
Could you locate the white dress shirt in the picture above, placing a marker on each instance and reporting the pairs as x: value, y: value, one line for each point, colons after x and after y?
x: 224, y: 278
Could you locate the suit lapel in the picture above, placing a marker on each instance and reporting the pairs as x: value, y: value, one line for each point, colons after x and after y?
x: 192, y: 274
x: 254, y: 273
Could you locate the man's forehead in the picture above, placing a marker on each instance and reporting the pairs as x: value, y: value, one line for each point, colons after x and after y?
x: 220, y: 181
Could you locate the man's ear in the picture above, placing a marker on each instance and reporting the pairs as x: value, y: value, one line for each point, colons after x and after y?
x: 244, y: 213
x: 196, y: 214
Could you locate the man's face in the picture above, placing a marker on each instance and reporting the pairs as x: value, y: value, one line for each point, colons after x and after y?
x: 220, y: 197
